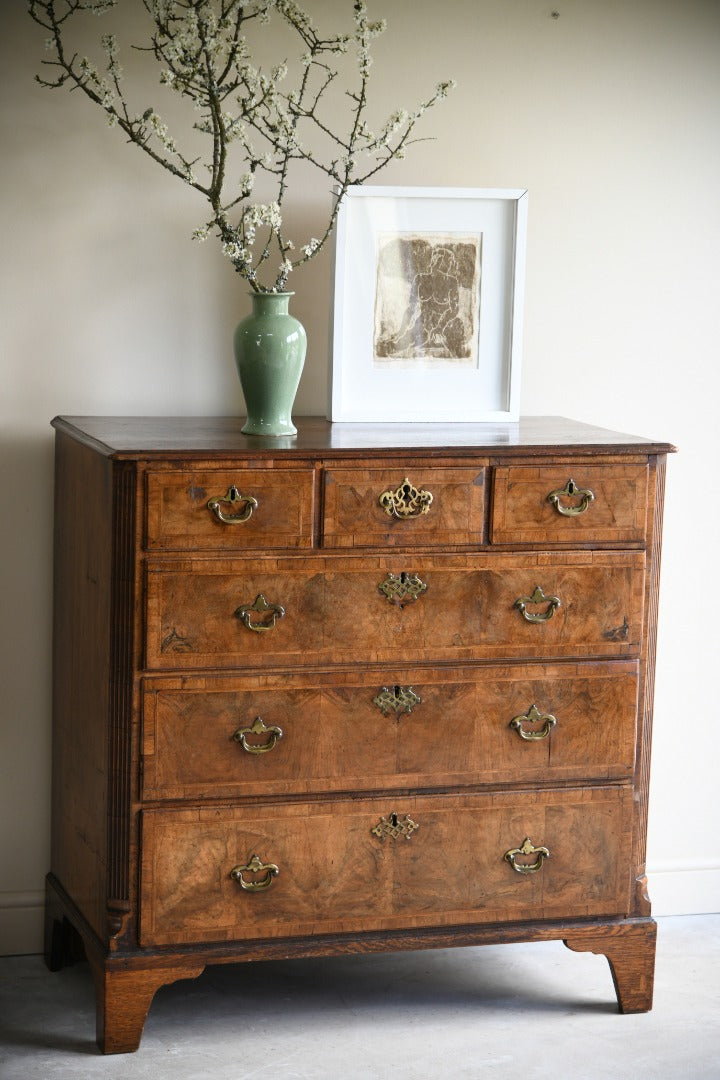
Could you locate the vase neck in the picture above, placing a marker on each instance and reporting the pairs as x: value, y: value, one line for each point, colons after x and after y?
x: 271, y: 303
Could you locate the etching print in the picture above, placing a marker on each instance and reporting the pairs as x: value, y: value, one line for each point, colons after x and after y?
x: 427, y: 300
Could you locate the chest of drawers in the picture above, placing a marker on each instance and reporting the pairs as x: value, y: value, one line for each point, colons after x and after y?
x: 357, y: 690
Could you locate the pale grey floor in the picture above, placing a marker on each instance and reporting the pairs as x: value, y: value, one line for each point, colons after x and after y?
x: 536, y: 1012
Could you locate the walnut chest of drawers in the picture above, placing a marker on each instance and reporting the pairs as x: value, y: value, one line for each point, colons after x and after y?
x: 361, y: 689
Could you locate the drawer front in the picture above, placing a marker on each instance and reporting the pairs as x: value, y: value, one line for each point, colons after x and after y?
x: 403, y: 507
x: 388, y: 727
x: 249, y: 509
x: 290, y: 612
x: 569, y: 504
x: 382, y: 864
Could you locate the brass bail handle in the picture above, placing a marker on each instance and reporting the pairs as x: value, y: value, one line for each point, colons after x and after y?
x: 242, y: 505
x: 267, y: 614
x: 571, y: 491
x: 527, y: 848
x: 255, y: 866
x: 534, y: 716
x: 258, y: 727
x: 537, y: 597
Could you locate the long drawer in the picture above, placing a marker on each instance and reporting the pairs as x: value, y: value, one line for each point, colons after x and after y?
x: 279, y: 612
x: 388, y: 727
x: 264, y: 871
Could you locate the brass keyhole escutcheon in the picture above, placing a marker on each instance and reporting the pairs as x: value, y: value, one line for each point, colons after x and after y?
x: 394, y: 827
x: 397, y: 699
x: 403, y: 588
x: 406, y: 501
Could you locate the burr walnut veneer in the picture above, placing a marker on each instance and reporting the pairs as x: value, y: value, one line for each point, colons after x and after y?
x: 361, y: 689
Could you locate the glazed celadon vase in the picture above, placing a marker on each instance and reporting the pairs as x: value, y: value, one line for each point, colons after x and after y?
x: 270, y: 353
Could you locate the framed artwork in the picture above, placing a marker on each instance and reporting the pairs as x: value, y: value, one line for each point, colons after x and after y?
x: 428, y: 305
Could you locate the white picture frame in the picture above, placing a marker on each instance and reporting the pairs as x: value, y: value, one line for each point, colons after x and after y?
x: 428, y: 305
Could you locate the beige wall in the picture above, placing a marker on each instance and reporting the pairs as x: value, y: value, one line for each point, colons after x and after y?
x: 607, y: 114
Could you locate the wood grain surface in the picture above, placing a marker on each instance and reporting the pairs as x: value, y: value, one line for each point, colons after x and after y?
x: 336, y: 876
x: 335, y: 738
x: 156, y: 676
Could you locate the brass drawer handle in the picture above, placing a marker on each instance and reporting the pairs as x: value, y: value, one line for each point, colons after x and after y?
x: 571, y: 491
x: 258, y: 727
x: 534, y: 716
x: 402, y: 589
x: 394, y: 827
x: 527, y: 848
x: 260, y: 607
x: 538, y: 597
x: 255, y: 866
x: 406, y: 501
x: 235, y: 500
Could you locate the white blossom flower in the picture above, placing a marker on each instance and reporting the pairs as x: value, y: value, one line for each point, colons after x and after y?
x: 161, y: 130
x: 364, y: 61
x: 443, y: 89
x: 295, y: 15
x: 339, y: 45
x: 310, y: 248
x: 200, y: 234
x: 110, y: 45
x: 233, y: 250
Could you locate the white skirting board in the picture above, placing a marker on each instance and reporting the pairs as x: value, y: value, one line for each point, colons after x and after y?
x: 686, y: 891
x: 21, y: 922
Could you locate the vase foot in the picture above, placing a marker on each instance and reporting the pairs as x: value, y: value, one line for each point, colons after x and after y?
x: 274, y: 430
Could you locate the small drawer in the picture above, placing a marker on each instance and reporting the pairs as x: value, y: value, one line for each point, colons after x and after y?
x: 569, y: 504
x: 229, y: 509
x: 403, y: 507
x: 290, y: 612
x: 271, y: 871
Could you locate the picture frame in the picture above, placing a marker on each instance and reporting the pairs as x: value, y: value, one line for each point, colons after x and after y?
x: 428, y: 305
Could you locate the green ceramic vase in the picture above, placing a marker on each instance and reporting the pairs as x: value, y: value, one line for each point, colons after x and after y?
x: 270, y: 353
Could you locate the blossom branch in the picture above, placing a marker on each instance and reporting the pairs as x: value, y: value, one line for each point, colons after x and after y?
x: 202, y: 49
